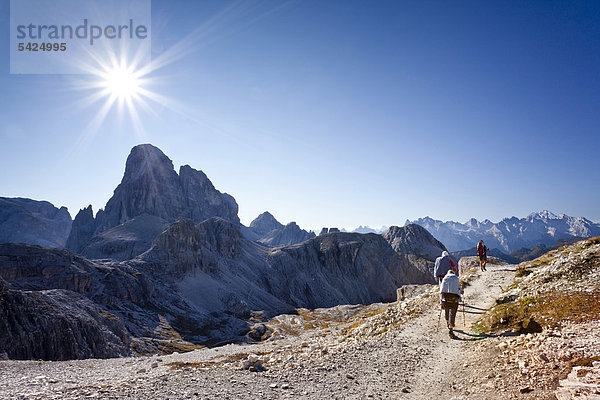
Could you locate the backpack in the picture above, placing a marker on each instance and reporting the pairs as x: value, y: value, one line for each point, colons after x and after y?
x: 480, y: 249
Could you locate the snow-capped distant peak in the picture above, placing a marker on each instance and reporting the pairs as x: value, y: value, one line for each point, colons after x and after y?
x: 544, y: 214
x: 543, y: 227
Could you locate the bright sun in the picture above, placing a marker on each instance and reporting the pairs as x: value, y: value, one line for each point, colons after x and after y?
x: 122, y: 83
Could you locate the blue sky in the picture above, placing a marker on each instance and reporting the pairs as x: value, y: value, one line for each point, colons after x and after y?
x: 338, y: 113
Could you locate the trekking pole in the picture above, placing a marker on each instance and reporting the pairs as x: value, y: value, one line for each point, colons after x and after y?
x: 439, y: 319
x: 464, y: 318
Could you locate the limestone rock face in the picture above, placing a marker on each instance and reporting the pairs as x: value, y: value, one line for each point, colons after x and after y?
x: 33, y: 222
x: 203, y: 200
x: 61, y: 306
x: 58, y: 325
x: 185, y: 246
x: 150, y: 188
x: 28, y: 267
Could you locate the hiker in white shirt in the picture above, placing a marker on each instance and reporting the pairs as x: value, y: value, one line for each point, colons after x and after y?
x: 450, y: 293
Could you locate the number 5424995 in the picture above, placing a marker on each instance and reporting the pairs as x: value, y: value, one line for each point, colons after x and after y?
x: 33, y: 46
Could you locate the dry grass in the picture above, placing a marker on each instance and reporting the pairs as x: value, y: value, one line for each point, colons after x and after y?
x: 168, y: 347
x: 108, y: 315
x: 548, y: 310
x: 592, y: 241
x: 522, y: 271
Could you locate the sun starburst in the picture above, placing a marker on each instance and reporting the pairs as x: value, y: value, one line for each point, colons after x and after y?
x: 122, y: 83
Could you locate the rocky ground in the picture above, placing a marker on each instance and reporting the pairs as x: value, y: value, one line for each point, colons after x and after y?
x: 395, y: 351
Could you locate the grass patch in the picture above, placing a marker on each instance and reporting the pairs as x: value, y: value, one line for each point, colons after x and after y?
x: 591, y: 241
x: 522, y: 272
x: 168, y: 347
x: 108, y: 315
x: 528, y: 314
x: 195, y: 365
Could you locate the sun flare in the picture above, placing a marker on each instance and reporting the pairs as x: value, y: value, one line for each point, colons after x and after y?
x: 122, y: 83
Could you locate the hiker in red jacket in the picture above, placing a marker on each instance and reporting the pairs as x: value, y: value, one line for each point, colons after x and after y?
x: 482, y: 253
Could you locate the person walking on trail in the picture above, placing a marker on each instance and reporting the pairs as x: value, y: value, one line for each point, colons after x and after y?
x: 450, y: 294
x: 482, y: 253
x: 444, y: 264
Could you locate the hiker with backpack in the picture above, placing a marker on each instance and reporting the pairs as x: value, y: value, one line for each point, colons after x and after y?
x: 482, y: 251
x: 450, y: 294
x: 444, y: 264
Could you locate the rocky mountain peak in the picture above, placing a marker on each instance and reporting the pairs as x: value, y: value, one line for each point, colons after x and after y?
x: 265, y: 223
x: 414, y: 239
x: 147, y: 160
x: 82, y: 229
x: 544, y: 215
x: 151, y: 187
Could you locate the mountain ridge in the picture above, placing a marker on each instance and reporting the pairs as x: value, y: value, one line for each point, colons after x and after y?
x: 512, y: 233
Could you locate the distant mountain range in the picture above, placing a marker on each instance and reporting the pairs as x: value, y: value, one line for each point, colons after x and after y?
x: 510, y: 234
